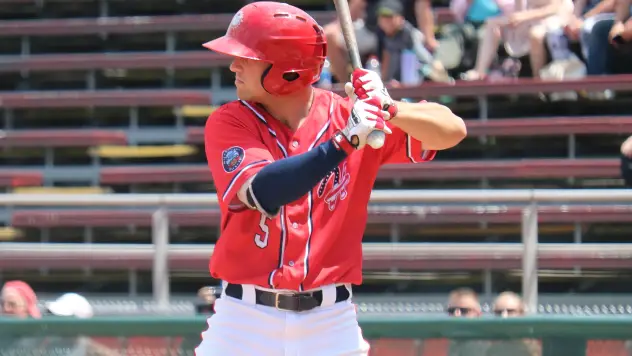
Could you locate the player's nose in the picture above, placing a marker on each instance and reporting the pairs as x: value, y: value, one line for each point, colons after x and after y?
x: 235, y: 65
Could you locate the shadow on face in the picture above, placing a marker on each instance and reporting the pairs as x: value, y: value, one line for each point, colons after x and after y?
x: 248, y: 75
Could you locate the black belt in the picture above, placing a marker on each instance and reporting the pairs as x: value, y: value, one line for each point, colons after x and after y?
x: 296, y: 302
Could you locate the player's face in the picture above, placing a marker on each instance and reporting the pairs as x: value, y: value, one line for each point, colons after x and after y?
x: 248, y: 74
x: 13, y: 304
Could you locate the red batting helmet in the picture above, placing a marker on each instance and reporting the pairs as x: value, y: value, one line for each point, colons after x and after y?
x: 282, y: 35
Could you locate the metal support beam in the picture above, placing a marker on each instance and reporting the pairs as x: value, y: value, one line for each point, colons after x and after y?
x: 160, y: 237
x: 530, y: 257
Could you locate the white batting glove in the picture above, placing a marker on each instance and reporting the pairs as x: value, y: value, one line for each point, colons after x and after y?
x: 364, y: 84
x: 366, y: 116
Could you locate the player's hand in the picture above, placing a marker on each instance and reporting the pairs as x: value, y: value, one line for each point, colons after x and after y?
x: 366, y: 116
x: 364, y: 84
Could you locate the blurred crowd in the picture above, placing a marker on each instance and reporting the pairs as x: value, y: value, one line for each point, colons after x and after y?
x: 487, y: 39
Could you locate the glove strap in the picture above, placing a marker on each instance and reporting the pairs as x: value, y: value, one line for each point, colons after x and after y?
x: 392, y: 110
x: 342, y: 143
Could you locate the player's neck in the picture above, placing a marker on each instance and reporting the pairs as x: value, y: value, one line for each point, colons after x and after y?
x: 292, y: 109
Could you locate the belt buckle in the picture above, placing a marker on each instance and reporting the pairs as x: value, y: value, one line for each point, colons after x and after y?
x: 276, y: 302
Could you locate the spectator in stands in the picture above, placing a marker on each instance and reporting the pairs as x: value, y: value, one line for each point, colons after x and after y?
x: 364, y: 16
x: 207, y: 296
x: 510, y: 305
x: 19, y: 300
x: 586, y: 14
x: 397, y: 35
x: 459, y: 41
x: 464, y: 303
x: 523, y: 32
x: 75, y: 306
x: 626, y: 162
x: 608, y: 42
x: 71, y: 305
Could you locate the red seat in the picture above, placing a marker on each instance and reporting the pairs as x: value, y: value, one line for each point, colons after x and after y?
x: 520, y: 169
x: 394, y: 347
x: 134, y: 60
x: 429, y: 215
x: 548, y: 126
x: 606, y: 348
x: 62, y: 138
x: 456, y: 170
x: 146, y: 24
x: 149, y: 174
x: 17, y: 178
x: 104, y: 218
x: 104, y: 98
x: 435, y: 347
x: 519, y: 127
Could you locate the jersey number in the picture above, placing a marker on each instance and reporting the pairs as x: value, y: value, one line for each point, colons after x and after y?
x: 262, y: 240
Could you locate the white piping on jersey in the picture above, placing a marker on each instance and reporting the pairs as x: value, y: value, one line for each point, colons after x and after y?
x: 310, y: 198
x: 282, y: 211
x: 263, y: 119
x: 409, y: 150
x: 243, y: 170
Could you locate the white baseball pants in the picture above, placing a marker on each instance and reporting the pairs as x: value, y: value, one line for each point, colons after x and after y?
x: 243, y: 328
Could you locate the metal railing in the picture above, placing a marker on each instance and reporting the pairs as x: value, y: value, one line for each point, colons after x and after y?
x: 388, y: 334
x: 161, y: 253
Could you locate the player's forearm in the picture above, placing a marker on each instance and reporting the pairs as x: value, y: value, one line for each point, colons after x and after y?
x: 433, y: 124
x: 284, y: 181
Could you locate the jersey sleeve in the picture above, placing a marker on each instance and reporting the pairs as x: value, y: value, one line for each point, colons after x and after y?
x: 235, y: 152
x: 401, y: 147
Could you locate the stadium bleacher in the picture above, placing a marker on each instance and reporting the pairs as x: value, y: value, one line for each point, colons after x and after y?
x: 111, y: 97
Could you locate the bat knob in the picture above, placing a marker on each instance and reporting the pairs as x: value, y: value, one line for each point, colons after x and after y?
x: 376, y: 139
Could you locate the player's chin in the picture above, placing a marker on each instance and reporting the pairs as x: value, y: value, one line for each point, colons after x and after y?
x: 244, y: 94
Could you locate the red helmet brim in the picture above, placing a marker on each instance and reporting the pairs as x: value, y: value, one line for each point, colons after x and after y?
x: 231, y: 47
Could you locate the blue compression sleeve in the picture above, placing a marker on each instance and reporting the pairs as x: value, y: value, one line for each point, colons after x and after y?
x: 284, y: 181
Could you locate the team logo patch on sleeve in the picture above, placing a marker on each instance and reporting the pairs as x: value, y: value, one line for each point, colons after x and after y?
x: 232, y: 158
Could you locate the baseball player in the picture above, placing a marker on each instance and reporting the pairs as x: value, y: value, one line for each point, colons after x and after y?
x: 294, y: 175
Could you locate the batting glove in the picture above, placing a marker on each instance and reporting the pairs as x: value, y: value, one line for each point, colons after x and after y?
x: 366, y: 116
x: 364, y: 84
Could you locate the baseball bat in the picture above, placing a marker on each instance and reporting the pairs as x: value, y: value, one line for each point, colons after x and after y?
x: 377, y: 137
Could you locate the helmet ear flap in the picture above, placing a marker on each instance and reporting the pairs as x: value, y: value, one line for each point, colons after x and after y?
x: 278, y: 81
x: 263, y: 77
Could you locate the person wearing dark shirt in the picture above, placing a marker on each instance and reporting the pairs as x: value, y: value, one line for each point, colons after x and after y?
x: 396, y: 35
x: 364, y: 17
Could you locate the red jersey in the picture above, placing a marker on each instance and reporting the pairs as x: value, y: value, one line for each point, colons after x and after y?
x: 311, y: 242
